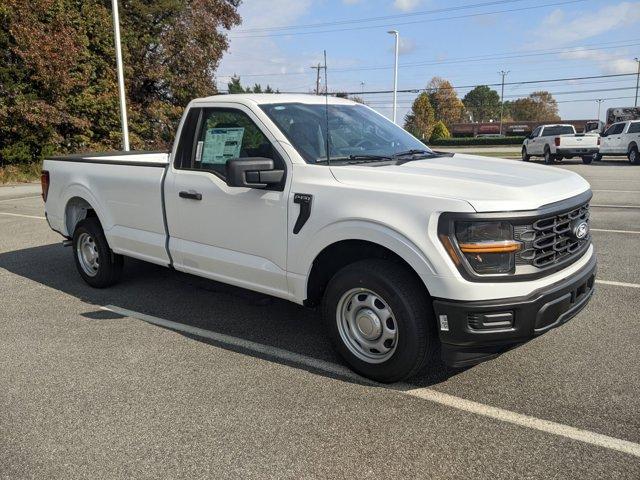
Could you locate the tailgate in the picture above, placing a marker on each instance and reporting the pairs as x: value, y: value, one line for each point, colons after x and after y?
x: 578, y: 141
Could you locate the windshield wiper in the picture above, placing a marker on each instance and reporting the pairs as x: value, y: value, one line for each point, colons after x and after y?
x: 355, y: 159
x: 412, y: 152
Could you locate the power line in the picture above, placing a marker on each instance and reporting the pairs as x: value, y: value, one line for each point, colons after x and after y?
x: 374, y: 19
x: 577, y: 100
x: 469, y: 15
x: 486, y: 57
x: 524, y: 82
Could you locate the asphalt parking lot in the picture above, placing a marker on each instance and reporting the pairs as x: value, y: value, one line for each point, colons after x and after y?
x: 167, y: 375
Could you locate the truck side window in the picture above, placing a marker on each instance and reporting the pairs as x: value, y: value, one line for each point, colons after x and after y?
x: 536, y: 132
x: 634, y: 128
x: 615, y: 129
x: 226, y: 133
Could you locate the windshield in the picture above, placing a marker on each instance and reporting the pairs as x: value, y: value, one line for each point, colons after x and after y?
x: 356, y: 133
x: 558, y: 130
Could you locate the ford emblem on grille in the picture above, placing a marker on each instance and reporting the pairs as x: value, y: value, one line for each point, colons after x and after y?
x: 580, y: 229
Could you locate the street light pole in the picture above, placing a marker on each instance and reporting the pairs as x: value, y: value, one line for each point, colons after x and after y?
x: 123, y: 101
x: 395, y: 74
x: 637, y: 80
x: 600, y: 100
x: 504, y: 74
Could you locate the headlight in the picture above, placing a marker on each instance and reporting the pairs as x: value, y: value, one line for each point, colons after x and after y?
x: 487, y: 247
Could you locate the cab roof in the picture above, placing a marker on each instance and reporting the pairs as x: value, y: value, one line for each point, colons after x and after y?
x: 268, y: 98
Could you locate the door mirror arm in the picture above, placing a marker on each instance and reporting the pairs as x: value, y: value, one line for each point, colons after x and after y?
x: 252, y: 172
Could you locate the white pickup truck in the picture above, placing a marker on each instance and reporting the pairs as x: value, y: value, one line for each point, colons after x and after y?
x: 555, y: 142
x: 622, y: 138
x: 409, y: 252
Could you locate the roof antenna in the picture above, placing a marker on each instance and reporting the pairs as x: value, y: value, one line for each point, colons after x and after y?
x: 326, y: 107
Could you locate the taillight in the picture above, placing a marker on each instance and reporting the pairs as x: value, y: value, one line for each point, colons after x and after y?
x: 44, y: 183
x: 557, y: 140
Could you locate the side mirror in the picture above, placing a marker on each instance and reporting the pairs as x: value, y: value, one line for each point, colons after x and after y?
x: 252, y: 172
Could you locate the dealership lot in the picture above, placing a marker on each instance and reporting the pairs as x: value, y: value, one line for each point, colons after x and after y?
x: 170, y: 375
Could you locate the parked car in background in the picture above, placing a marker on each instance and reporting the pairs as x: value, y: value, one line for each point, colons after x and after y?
x: 622, y: 138
x: 594, y: 126
x: 555, y: 142
x: 323, y: 201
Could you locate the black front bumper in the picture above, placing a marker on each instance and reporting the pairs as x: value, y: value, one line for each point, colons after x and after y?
x: 479, y: 331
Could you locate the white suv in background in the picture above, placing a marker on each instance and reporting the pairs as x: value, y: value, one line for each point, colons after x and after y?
x: 622, y: 138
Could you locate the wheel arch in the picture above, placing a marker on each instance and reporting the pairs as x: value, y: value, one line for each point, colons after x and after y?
x: 344, y: 252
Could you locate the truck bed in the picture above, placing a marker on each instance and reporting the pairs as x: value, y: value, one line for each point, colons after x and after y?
x: 125, y: 190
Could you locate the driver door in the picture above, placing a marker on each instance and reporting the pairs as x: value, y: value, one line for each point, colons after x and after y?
x: 236, y: 235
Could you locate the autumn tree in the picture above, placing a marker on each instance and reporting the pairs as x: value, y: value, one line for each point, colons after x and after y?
x: 58, y: 88
x: 482, y: 103
x: 537, y: 107
x: 445, y: 102
x: 421, y: 119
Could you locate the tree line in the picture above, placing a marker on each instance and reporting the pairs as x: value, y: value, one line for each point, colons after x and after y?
x: 438, y: 107
x: 58, y: 88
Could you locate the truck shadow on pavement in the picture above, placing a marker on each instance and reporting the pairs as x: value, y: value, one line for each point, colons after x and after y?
x: 196, y: 302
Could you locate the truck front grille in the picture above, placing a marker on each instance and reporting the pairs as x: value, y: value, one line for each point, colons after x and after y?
x: 551, y: 240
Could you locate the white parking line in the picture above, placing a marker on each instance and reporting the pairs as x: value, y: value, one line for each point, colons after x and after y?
x: 617, y: 191
x: 615, y: 206
x: 619, y: 284
x: 428, y: 394
x: 19, y: 198
x: 21, y: 215
x: 612, y: 231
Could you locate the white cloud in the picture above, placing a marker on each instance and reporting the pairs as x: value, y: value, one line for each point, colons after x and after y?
x: 406, y: 46
x: 608, y: 63
x: 262, y: 54
x: 406, y: 5
x: 557, y: 28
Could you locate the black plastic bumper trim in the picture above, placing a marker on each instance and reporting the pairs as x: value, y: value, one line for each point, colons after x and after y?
x: 543, y: 310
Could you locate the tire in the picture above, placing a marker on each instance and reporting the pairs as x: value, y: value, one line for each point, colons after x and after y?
x: 548, y: 158
x: 96, y: 263
x: 587, y: 159
x: 633, y: 155
x: 597, y: 157
x: 525, y: 156
x: 393, y: 292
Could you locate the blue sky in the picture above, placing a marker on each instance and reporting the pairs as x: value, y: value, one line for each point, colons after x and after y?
x: 543, y: 39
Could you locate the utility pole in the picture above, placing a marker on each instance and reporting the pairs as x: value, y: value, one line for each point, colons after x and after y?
x: 318, y: 68
x: 504, y: 74
x: 600, y: 100
x: 123, y: 101
x: 637, y: 80
x: 395, y: 74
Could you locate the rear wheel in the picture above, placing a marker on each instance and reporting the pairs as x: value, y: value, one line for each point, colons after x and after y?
x: 548, y: 158
x: 587, y: 159
x: 96, y: 263
x: 379, y: 319
x: 597, y: 157
x: 633, y: 155
x: 525, y: 156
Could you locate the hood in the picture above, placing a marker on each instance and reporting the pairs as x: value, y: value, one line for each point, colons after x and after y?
x: 488, y: 184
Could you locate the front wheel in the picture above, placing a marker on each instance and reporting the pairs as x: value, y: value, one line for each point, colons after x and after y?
x: 525, y: 156
x: 380, y: 321
x: 633, y: 155
x: 96, y: 263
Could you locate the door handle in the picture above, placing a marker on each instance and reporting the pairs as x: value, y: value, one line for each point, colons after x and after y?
x: 191, y: 195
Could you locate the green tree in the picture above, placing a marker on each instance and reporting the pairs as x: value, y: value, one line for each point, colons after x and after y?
x: 234, y: 86
x: 482, y: 103
x: 421, y: 119
x: 440, y: 131
x: 537, y: 107
x: 58, y: 88
x: 445, y: 102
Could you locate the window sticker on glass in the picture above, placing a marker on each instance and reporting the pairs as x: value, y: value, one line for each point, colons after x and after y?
x: 221, y: 144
